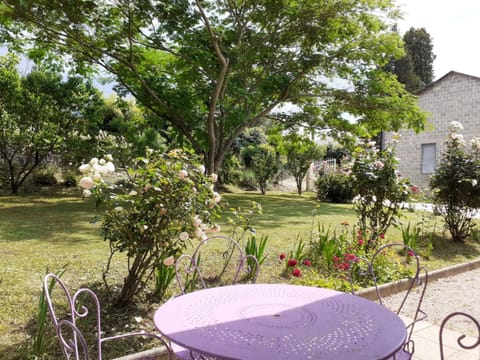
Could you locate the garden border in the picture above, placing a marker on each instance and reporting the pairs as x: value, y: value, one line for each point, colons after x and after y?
x: 401, y: 285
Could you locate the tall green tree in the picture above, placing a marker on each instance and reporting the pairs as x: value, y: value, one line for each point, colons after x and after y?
x: 39, y: 112
x: 300, y: 152
x: 212, y: 68
x: 419, y: 47
x: 415, y: 68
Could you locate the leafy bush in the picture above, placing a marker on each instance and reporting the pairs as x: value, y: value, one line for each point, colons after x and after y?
x: 335, y: 187
x: 380, y: 190
x: 70, y: 180
x: 167, y: 203
x: 456, y: 191
x: 263, y: 161
x: 44, y: 178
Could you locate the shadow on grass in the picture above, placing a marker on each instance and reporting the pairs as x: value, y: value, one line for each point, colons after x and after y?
x: 447, y: 250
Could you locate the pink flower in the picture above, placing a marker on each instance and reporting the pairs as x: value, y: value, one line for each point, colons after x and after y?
x: 169, y: 261
x: 360, y: 242
x: 282, y: 256
x: 381, y: 236
x: 86, y: 182
x: 411, y: 253
x: 307, y: 262
x: 296, y: 272
x: 292, y: 262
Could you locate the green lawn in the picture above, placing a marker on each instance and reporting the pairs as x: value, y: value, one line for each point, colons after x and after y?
x: 38, y: 233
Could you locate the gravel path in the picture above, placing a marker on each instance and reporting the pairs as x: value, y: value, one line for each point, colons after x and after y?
x: 444, y: 296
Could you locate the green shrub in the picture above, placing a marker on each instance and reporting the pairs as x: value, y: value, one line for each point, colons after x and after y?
x: 335, y: 187
x: 456, y: 191
x: 70, y: 180
x: 44, y: 179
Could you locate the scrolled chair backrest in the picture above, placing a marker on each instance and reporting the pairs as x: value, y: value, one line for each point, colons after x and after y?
x: 72, y: 342
x: 418, y: 278
x: 221, y: 253
x: 461, y: 339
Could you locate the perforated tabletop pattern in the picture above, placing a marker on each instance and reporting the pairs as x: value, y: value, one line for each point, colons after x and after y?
x: 273, y: 321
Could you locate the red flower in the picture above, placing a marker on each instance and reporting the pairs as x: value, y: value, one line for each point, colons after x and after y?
x: 296, y: 272
x: 307, y: 262
x: 381, y: 236
x: 336, y: 258
x: 282, y: 256
x: 292, y: 262
x: 415, y: 189
x: 411, y: 253
x: 360, y: 242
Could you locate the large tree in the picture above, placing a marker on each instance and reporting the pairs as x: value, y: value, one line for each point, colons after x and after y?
x: 415, y: 69
x: 212, y: 68
x: 39, y: 112
x: 419, y: 47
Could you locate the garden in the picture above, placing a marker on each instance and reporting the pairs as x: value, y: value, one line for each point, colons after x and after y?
x: 296, y: 238
x: 215, y: 103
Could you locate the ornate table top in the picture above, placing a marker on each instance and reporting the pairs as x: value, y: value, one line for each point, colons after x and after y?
x: 274, y: 321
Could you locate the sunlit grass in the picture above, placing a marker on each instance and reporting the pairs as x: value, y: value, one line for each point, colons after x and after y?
x: 39, y: 233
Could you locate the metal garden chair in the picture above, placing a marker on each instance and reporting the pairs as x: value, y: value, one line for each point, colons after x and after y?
x: 418, y: 278
x: 216, y: 261
x: 71, y: 339
x: 460, y: 340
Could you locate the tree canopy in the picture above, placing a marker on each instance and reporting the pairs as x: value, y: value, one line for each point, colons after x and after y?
x: 415, y: 69
x: 39, y: 113
x: 212, y: 68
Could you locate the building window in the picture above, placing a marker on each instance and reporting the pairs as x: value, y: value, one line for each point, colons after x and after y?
x: 428, y: 158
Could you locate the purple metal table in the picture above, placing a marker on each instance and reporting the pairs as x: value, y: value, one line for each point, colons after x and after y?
x: 273, y: 321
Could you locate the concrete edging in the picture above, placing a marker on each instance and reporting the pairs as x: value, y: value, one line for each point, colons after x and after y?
x: 401, y: 285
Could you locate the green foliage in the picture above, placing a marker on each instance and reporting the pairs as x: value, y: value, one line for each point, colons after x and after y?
x: 44, y: 178
x: 264, y: 163
x: 380, y: 190
x: 166, y: 204
x: 39, y: 114
x: 38, y: 348
x: 455, y: 187
x: 300, y: 152
x: 256, y: 249
x: 334, y: 186
x: 419, y: 46
x: 212, y: 68
x: 411, y: 235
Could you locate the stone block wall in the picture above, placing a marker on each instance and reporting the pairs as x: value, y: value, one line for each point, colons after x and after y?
x: 454, y: 97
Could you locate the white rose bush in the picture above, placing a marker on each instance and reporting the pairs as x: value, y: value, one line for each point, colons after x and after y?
x: 380, y: 190
x: 166, y: 203
x: 456, y: 192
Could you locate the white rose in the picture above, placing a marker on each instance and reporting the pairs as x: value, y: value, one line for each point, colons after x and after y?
x: 182, y: 174
x: 109, y: 157
x: 85, y: 168
x: 86, y: 182
x: 87, y: 193
x: 201, y: 168
x: 214, y: 177
x: 183, y: 236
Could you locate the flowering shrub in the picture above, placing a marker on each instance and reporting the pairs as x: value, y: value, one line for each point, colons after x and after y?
x: 380, y: 190
x: 166, y: 202
x: 456, y: 191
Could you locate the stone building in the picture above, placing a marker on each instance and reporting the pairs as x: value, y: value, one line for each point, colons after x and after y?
x: 453, y: 97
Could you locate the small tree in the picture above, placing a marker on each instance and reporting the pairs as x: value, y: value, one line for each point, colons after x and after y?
x: 456, y: 191
x: 167, y: 203
x: 263, y: 161
x: 380, y: 191
x: 300, y: 152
